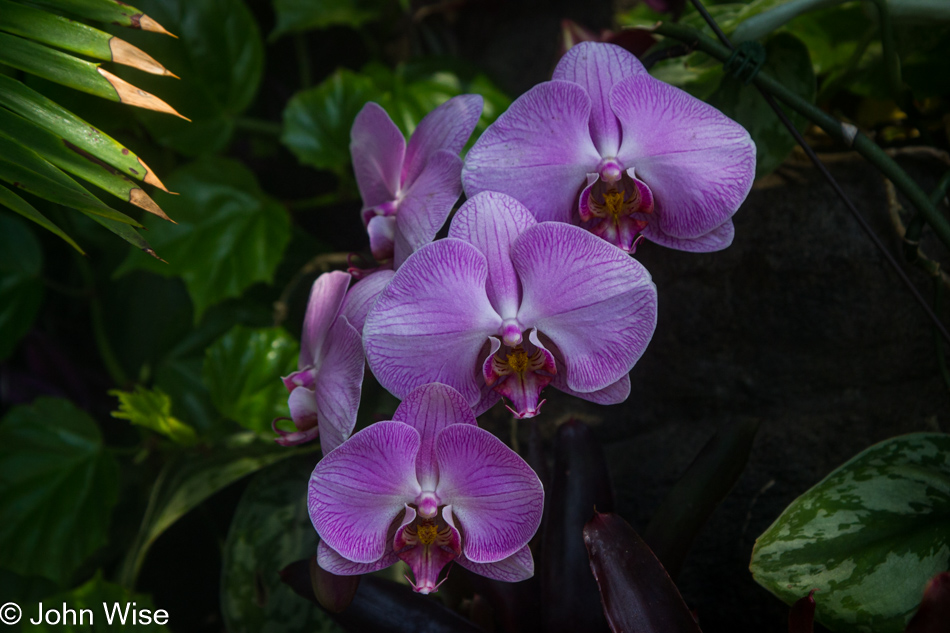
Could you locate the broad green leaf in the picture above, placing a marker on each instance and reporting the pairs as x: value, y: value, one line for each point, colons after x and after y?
x: 152, y: 408
x: 787, y: 60
x: 190, y: 479
x: 108, y: 11
x: 21, y: 288
x: 271, y: 529
x: 73, y: 36
x: 869, y: 536
x: 294, y: 16
x: 58, y: 486
x: 76, y: 161
x: 19, y: 205
x: 317, y: 121
x: 95, y: 603
x: 242, y: 371
x: 229, y: 233
x: 49, y: 115
x: 220, y: 58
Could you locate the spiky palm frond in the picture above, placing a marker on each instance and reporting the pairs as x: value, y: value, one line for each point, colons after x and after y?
x: 41, y: 142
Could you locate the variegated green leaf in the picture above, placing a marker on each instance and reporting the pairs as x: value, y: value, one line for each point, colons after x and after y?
x: 868, y: 536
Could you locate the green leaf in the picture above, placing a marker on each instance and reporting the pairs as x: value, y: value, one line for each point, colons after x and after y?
x: 220, y: 58
x: 25, y: 169
x: 229, y: 233
x: 21, y: 288
x: 190, y: 479
x: 76, y: 161
x: 869, y: 536
x: 71, y: 35
x: 58, y: 486
x: 152, y: 408
x: 271, y: 529
x: 18, y: 205
x: 108, y: 11
x: 242, y: 371
x: 787, y: 60
x: 95, y: 602
x: 294, y: 16
x: 317, y: 121
x: 49, y: 115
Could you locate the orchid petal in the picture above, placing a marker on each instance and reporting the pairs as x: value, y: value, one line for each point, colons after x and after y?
x: 295, y: 438
x: 539, y: 151
x: 332, y: 562
x: 326, y: 297
x: 382, y: 236
x: 491, y: 221
x: 445, y: 128
x: 303, y: 408
x: 429, y: 409
x: 698, y: 162
x: 614, y: 393
x: 431, y: 321
x: 377, y: 147
x: 358, y: 490
x: 338, y: 384
x: 300, y: 378
x: 716, y: 240
x: 517, y: 567
x: 362, y: 296
x: 597, y: 304
x: 597, y: 67
x: 496, y: 497
x: 427, y: 204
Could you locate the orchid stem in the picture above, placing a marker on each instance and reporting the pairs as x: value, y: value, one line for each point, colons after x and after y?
x: 106, y: 353
x: 846, y: 133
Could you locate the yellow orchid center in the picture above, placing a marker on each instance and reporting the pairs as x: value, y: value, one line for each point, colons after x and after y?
x: 427, y: 533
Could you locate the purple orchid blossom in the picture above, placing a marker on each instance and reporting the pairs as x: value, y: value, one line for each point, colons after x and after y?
x: 623, y: 154
x: 427, y: 488
x: 325, y: 390
x: 506, y: 306
x: 409, y: 190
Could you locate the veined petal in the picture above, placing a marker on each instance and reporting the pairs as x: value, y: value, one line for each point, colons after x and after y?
x: 698, y: 162
x: 377, y: 148
x: 445, y: 128
x: 362, y: 296
x: 517, y: 567
x: 539, y: 151
x: 719, y: 238
x: 491, y: 221
x: 429, y: 409
x: 612, y: 394
x: 427, y: 204
x: 597, y: 304
x: 326, y: 297
x: 338, y: 384
x: 597, y: 67
x: 336, y: 564
x: 358, y: 490
x: 496, y: 498
x: 431, y: 321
